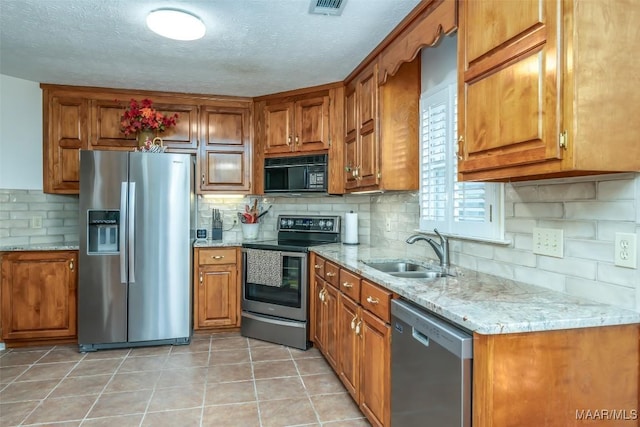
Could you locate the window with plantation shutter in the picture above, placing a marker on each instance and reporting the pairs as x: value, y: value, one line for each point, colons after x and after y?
x: 466, y: 209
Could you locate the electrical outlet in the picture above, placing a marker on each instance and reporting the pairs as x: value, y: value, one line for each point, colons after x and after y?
x: 36, y: 222
x: 548, y: 241
x: 625, y: 250
x: 387, y: 224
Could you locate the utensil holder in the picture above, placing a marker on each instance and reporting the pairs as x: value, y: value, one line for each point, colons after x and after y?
x: 250, y: 231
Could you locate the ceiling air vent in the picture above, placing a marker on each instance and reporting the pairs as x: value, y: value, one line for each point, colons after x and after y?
x: 327, y: 7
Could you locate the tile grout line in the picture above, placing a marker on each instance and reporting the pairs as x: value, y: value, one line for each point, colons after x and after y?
x: 41, y: 401
x: 206, y: 382
x: 115, y: 371
x: 255, y: 385
x: 306, y: 391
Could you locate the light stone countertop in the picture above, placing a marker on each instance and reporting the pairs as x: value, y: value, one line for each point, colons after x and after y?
x: 63, y: 246
x: 480, y: 302
x: 200, y: 243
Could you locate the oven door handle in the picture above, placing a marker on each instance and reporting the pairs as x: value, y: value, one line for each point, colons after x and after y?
x: 273, y: 321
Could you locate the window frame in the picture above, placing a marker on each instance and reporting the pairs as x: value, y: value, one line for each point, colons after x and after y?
x: 491, y: 226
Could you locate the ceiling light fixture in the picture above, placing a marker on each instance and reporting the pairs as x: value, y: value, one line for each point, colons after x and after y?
x: 176, y: 24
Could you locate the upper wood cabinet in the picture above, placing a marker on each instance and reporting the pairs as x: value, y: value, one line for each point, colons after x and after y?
x: 216, y: 128
x: 39, y: 295
x: 381, y: 130
x: 66, y: 132
x: 298, y: 125
x: 541, y: 95
x: 224, y: 159
x: 105, y: 122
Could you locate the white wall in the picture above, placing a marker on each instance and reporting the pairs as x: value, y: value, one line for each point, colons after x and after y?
x: 20, y: 134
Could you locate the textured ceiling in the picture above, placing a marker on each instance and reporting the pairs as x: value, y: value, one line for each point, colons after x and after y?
x: 251, y: 48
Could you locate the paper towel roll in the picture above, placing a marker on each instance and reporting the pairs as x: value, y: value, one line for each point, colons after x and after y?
x: 351, y: 228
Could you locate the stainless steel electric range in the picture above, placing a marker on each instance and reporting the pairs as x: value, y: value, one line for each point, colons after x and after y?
x: 275, y: 282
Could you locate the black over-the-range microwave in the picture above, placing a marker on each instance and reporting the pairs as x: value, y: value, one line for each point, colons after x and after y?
x: 295, y: 174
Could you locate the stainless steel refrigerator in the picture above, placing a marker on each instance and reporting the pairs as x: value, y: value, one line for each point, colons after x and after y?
x: 136, y: 233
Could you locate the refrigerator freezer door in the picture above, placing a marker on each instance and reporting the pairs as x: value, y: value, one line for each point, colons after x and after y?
x: 160, y: 296
x: 102, y: 297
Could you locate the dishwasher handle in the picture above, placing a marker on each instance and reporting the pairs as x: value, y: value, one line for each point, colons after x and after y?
x: 431, y: 328
x: 420, y: 337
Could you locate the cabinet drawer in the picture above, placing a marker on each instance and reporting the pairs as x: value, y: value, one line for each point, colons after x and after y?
x: 217, y: 256
x: 318, y: 266
x: 350, y: 285
x: 376, y: 299
x: 332, y: 274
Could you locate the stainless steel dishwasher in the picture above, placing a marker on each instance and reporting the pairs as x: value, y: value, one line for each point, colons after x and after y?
x: 431, y: 362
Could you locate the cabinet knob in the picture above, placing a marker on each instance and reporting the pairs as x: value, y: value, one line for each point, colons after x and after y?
x: 347, y: 285
x: 202, y: 179
x: 317, y: 267
x: 289, y: 141
x: 71, y: 265
x: 372, y: 300
x: 358, y: 329
x: 201, y: 279
x: 330, y: 274
x: 353, y: 322
x: 297, y: 140
x: 321, y: 295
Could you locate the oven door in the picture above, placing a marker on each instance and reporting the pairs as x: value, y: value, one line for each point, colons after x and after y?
x: 288, y: 301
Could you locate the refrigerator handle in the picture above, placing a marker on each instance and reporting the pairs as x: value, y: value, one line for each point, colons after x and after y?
x: 121, y: 232
x: 132, y: 232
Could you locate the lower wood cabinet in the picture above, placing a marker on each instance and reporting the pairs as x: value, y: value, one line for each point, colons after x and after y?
x: 325, y: 318
x: 216, y: 288
x: 39, y: 291
x: 354, y: 336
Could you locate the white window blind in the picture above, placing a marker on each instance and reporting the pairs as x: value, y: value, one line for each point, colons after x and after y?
x: 469, y: 209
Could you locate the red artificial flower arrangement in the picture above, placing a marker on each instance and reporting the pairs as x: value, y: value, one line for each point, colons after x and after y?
x: 141, y: 116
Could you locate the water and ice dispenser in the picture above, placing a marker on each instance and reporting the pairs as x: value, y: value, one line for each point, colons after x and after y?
x: 103, y: 231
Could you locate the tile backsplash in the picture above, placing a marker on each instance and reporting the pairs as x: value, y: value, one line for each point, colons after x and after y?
x: 30, y: 217
x: 589, y: 211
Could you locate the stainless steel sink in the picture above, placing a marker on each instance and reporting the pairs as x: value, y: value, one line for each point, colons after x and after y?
x: 407, y: 270
x: 395, y: 266
x: 419, y: 274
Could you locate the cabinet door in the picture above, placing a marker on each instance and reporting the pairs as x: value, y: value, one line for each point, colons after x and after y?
x: 278, y: 124
x: 217, y: 296
x: 67, y: 132
x: 39, y: 295
x: 225, y: 156
x: 312, y: 124
x: 375, y: 369
x: 105, y: 122
x: 351, y: 138
x: 319, y: 328
x: 368, y: 141
x: 349, y: 345
x: 508, y: 86
x: 330, y: 323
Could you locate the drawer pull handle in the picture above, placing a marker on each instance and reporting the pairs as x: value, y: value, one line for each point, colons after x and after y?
x: 372, y: 300
x: 347, y: 285
x: 317, y: 267
x: 321, y: 295
x: 330, y: 274
x: 217, y: 256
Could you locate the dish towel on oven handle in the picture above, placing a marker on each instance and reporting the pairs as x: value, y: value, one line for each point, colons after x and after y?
x: 264, y: 267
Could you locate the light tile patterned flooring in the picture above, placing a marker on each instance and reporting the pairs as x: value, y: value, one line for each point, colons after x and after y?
x: 218, y: 380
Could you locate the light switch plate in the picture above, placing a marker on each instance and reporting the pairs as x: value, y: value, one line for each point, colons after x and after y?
x: 548, y: 241
x: 625, y: 250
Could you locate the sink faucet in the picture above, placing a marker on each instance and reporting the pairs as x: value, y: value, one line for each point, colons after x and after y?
x: 441, y: 249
